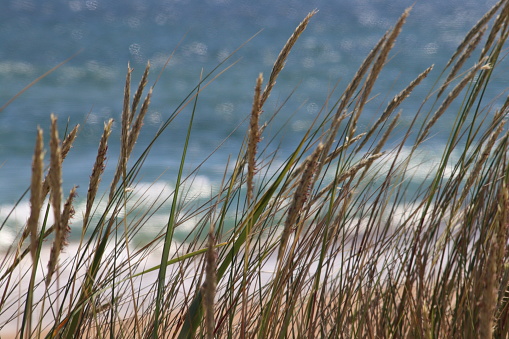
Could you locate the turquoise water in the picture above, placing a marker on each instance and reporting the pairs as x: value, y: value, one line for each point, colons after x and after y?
x: 34, y: 37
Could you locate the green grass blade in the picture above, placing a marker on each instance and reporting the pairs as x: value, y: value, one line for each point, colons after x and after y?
x: 170, y: 230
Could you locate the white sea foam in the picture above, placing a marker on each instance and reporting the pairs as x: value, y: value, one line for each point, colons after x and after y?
x: 7, y: 238
x: 200, y: 188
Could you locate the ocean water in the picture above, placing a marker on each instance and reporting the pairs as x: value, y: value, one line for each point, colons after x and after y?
x: 35, y: 36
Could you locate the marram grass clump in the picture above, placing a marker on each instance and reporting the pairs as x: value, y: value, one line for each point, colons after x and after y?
x: 328, y: 241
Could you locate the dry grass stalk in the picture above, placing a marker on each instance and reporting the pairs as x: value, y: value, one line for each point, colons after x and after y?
x: 67, y: 214
x: 281, y: 59
x: 377, y: 68
x: 472, y: 45
x: 500, y: 21
x: 55, y: 183
x: 489, y: 284
x: 502, y: 230
x: 97, y: 170
x: 136, y: 126
x: 36, y: 194
x: 61, y: 235
x: 55, y: 172
x: 395, y: 102
x: 139, y: 91
x: 68, y: 211
x: 254, y: 138
x: 387, y: 134
x: 450, y: 98
x: 66, y: 147
x: 68, y: 141
x: 210, y: 284
x: 481, y: 162
x: 138, y: 123
x: 345, y: 98
x: 477, y: 27
x: 356, y: 80
x: 130, y: 131
x: 127, y: 114
x: 503, y: 111
x: 300, y: 197
x: 483, y: 77
x: 490, y: 60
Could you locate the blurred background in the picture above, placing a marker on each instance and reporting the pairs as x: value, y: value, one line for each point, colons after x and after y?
x: 35, y: 36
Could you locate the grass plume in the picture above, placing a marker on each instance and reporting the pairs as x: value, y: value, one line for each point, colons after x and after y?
x: 341, y: 236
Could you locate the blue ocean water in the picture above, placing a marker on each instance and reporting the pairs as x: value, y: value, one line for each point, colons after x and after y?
x: 35, y: 36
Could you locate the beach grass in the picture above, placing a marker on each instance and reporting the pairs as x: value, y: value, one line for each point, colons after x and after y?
x: 336, y: 239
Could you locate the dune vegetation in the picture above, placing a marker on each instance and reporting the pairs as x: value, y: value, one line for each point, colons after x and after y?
x: 325, y: 241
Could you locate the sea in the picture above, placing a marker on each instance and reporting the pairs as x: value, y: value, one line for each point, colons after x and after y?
x: 101, y: 37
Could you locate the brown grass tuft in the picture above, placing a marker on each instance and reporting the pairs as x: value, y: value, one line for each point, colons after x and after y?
x: 347, y: 95
x: 55, y: 183
x: 97, y: 170
x: 254, y: 138
x: 477, y: 27
x: 130, y: 130
x: 36, y: 199
x: 299, y: 198
x: 127, y: 114
x: 65, y: 148
x: 376, y: 69
x: 138, y: 123
x: 139, y: 91
x: 283, y: 55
